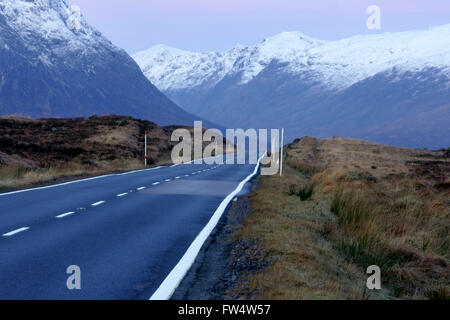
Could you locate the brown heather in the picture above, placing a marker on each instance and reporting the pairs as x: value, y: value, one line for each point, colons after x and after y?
x: 371, y: 204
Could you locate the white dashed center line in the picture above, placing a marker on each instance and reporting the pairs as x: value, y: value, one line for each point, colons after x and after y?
x: 156, y: 183
x: 121, y: 195
x: 64, y: 215
x: 178, y: 178
x: 141, y: 188
x: 98, y: 203
x: 167, y: 180
x: 9, y: 234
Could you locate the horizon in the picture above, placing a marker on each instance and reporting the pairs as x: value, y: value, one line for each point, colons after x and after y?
x: 289, y: 31
x: 203, y: 26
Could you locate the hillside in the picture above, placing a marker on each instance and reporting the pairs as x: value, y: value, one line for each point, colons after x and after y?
x: 51, y: 67
x: 43, y: 151
x: 341, y: 206
x: 391, y: 88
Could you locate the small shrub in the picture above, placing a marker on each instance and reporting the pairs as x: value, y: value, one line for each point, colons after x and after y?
x: 306, y: 192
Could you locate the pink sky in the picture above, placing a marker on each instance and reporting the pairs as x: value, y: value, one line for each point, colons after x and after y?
x: 201, y: 25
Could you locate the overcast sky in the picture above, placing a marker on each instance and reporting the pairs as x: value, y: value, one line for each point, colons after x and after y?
x: 203, y: 25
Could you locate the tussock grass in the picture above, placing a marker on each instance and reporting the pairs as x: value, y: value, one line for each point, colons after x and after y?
x: 303, y: 263
x: 371, y: 205
x: 306, y: 192
x: 303, y: 192
x: 394, y: 226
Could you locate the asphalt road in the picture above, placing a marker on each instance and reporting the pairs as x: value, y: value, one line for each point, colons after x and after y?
x: 125, y: 232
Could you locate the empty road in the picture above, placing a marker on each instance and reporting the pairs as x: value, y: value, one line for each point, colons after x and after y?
x: 125, y: 232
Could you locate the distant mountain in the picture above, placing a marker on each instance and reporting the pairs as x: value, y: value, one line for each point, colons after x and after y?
x: 391, y: 88
x: 51, y: 66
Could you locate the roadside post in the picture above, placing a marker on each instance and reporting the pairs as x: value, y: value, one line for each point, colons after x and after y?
x: 145, y: 149
x: 281, y: 155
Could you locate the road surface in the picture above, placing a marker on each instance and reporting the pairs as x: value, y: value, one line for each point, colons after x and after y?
x: 125, y: 232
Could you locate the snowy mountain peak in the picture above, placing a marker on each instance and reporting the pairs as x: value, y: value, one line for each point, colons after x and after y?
x: 54, y: 64
x: 52, y: 23
x: 291, y: 39
x: 335, y: 64
x: 167, y: 50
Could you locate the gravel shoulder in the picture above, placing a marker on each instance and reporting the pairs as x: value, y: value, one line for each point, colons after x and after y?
x: 223, y: 259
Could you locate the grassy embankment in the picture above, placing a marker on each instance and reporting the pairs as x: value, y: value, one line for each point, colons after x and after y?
x: 343, y: 205
x: 36, y: 152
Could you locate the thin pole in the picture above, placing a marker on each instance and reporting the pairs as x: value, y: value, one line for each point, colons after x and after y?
x: 145, y: 149
x: 282, y: 144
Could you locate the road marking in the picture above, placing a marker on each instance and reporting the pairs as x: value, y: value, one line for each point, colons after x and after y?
x: 64, y: 215
x: 186, y: 175
x: 9, y: 234
x: 76, y: 181
x: 98, y: 203
x: 141, y: 188
x: 177, y: 177
x: 122, y: 194
x: 173, y: 279
x: 135, y: 171
x: 167, y: 180
x: 156, y: 183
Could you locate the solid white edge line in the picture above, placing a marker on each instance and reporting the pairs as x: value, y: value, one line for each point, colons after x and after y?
x: 64, y: 215
x: 171, y: 282
x: 98, y: 203
x: 11, y: 233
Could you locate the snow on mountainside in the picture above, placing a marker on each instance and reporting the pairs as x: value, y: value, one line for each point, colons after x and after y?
x: 54, y: 64
x: 45, y: 26
x: 390, y: 88
x: 47, y: 18
x: 338, y: 64
x: 171, y: 68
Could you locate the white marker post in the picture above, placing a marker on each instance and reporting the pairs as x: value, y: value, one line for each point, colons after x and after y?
x: 281, y: 155
x: 145, y: 149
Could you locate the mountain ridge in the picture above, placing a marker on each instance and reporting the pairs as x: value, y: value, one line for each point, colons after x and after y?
x: 321, y: 88
x: 54, y: 66
x: 280, y: 46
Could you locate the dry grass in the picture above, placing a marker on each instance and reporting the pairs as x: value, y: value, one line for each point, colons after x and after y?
x: 17, y: 177
x: 42, y: 151
x: 371, y: 204
x: 303, y: 264
x: 403, y: 230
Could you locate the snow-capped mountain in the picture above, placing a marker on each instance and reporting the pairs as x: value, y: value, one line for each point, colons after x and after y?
x: 391, y: 87
x: 53, y: 63
x: 171, y: 68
